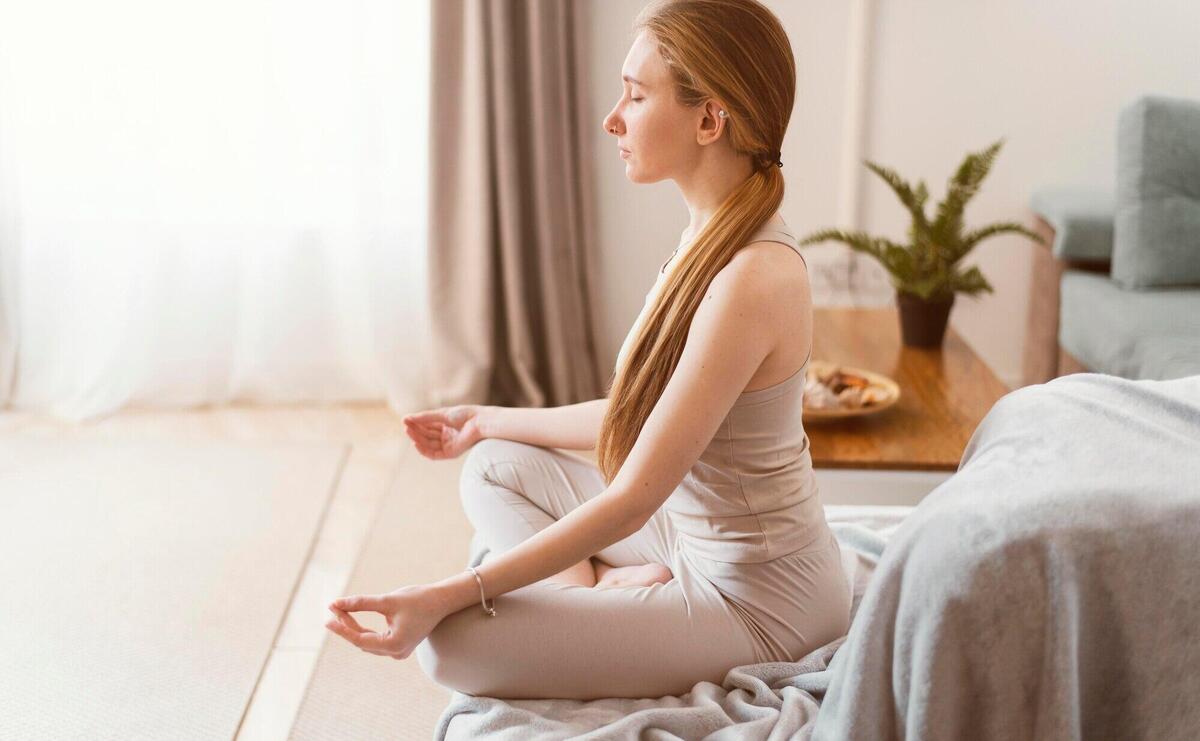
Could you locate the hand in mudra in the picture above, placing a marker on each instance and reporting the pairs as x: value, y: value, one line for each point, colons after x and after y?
x: 444, y: 433
x: 412, y: 613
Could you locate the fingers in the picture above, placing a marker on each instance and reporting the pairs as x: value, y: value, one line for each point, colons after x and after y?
x: 435, y: 445
x: 424, y: 446
x: 344, y: 624
x: 421, y: 429
x: 419, y: 422
x: 347, y: 619
x: 427, y: 432
x: 367, y: 640
x: 419, y: 434
x: 361, y: 602
x: 424, y: 417
x: 375, y: 642
x: 436, y: 426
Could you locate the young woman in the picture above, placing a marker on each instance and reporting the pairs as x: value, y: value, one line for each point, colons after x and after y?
x: 700, y: 542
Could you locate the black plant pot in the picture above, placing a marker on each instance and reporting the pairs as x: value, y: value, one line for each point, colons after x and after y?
x: 922, y: 322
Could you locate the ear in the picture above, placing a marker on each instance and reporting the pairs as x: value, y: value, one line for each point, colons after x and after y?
x: 712, y: 126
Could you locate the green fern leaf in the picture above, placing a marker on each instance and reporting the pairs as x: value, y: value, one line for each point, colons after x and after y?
x: 970, y: 239
x: 971, y: 282
x: 856, y: 240
x: 912, y: 201
x: 960, y: 189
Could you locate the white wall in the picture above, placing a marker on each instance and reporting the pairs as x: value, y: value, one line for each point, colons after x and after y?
x: 948, y: 77
x: 941, y: 78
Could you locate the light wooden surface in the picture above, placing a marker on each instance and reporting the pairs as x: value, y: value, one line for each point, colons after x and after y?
x: 377, y: 446
x: 944, y: 393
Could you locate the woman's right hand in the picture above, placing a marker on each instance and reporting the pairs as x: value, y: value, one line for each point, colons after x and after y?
x: 445, y: 432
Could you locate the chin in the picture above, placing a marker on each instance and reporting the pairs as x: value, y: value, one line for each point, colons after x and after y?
x: 635, y: 175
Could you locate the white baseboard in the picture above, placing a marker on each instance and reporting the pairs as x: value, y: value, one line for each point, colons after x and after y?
x: 858, y: 486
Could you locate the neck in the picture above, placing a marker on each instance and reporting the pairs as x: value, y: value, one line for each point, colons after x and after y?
x: 707, y: 184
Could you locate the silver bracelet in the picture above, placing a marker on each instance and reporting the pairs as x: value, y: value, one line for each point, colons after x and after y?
x: 491, y: 611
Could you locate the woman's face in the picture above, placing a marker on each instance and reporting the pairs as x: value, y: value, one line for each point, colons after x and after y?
x: 655, y: 133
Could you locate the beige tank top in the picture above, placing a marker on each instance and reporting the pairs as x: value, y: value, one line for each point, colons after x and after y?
x: 751, y: 496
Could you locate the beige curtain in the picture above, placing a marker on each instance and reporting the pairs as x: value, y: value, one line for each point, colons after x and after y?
x: 512, y: 261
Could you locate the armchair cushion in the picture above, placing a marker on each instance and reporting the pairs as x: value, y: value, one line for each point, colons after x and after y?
x: 1156, y: 232
x: 1082, y: 219
x: 1152, y: 334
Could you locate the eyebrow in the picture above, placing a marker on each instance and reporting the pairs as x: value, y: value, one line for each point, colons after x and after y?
x: 627, y: 78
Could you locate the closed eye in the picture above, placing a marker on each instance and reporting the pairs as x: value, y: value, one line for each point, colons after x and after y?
x: 637, y: 100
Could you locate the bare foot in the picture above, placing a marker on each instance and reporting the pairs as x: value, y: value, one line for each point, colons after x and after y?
x: 642, y: 575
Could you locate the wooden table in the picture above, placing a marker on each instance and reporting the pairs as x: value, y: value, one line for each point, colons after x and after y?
x: 944, y: 393
x: 899, y: 455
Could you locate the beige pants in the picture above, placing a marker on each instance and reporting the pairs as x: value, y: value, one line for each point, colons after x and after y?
x: 569, y: 641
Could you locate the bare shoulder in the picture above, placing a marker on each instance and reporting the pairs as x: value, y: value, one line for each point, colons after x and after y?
x: 764, y: 299
x: 767, y: 271
x: 775, y: 255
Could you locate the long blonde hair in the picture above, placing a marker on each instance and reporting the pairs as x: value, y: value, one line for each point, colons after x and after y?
x: 734, y: 51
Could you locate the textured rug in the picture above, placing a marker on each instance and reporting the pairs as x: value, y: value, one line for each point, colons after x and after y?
x: 144, y: 583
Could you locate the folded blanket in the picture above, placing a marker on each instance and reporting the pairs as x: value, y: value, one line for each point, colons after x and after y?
x: 1050, y: 589
x: 756, y: 701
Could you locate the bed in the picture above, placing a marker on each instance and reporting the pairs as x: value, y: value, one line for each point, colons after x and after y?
x: 1049, y: 589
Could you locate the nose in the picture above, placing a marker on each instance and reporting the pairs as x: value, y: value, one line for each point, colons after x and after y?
x: 612, y: 123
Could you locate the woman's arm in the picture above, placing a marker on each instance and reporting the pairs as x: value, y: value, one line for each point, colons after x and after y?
x: 413, y: 612
x: 731, y: 334
x: 586, y: 530
x: 733, y: 331
x: 574, y: 426
x: 581, y: 533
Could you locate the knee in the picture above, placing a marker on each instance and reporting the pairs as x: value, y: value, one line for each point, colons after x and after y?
x: 449, y: 658
x: 490, y: 462
x: 486, y: 454
x: 477, y: 468
x: 437, y: 664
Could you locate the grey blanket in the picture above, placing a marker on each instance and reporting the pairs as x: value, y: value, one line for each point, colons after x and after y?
x: 1047, y: 590
x: 1050, y: 589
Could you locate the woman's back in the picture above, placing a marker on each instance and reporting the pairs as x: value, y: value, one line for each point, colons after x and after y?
x: 751, y: 496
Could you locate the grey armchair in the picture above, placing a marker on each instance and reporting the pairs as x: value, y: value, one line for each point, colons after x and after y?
x: 1118, y: 290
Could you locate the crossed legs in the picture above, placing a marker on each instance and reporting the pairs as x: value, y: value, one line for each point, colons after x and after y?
x: 659, y: 630
x: 512, y: 490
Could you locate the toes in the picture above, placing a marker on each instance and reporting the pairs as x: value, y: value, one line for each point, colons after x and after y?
x: 642, y: 576
x: 658, y: 573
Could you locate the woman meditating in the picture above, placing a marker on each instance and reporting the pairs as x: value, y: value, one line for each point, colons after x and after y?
x: 699, y: 543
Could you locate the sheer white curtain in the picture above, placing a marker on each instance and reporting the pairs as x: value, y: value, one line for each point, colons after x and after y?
x: 209, y: 202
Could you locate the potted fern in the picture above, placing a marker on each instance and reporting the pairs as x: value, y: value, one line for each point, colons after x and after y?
x: 925, y: 271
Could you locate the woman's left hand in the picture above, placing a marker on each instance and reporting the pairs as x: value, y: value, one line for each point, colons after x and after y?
x: 412, y: 613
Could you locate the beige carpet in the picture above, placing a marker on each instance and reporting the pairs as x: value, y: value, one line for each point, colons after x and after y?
x: 421, y: 535
x: 143, y: 583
